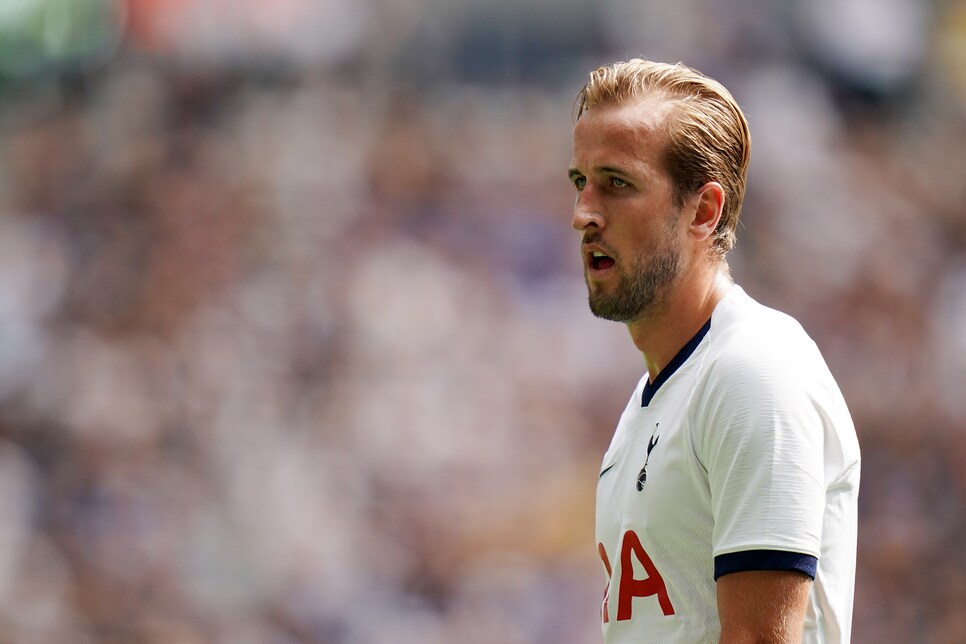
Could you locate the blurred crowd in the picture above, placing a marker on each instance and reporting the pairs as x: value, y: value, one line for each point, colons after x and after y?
x: 294, y: 345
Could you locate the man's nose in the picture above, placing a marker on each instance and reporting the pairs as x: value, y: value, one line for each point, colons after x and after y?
x: 586, y: 211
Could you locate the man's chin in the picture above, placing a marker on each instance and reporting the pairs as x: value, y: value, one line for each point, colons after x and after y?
x: 607, y: 309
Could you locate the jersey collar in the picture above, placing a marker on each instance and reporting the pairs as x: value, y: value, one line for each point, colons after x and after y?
x: 650, y: 388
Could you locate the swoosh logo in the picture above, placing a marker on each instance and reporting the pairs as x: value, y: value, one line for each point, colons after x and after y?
x: 606, y: 470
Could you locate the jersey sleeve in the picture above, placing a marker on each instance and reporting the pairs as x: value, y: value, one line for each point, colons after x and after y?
x: 760, y: 439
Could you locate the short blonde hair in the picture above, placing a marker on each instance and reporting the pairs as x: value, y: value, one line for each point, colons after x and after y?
x: 707, y: 137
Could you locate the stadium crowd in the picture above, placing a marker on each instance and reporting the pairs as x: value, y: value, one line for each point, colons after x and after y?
x: 294, y: 343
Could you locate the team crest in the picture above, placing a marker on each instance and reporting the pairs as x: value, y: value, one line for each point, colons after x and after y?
x: 642, y: 477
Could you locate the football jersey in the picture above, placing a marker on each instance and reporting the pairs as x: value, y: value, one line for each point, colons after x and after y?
x: 741, y: 455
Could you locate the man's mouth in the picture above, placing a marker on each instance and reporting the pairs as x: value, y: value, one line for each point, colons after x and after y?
x: 599, y: 261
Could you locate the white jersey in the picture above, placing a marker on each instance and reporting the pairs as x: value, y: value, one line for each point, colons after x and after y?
x: 740, y: 456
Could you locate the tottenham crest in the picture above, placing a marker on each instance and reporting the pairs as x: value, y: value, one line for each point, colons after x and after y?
x: 642, y: 477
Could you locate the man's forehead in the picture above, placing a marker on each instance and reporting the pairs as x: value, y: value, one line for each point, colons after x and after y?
x: 648, y: 112
x: 636, y: 129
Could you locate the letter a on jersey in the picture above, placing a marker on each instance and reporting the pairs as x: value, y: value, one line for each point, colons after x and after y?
x: 629, y: 587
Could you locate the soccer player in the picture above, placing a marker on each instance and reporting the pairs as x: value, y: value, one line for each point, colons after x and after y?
x: 726, y: 502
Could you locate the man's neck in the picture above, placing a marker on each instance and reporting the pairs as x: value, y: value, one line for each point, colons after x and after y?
x: 687, y: 308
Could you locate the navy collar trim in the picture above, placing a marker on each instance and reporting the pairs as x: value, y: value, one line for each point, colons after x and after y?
x: 650, y: 388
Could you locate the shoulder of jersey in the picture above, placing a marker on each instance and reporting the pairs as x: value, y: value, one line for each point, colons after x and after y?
x: 752, y: 338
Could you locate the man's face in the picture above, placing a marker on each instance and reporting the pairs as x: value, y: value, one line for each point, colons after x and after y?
x: 631, y: 228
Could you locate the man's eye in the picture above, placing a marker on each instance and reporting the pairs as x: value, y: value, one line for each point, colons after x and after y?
x: 580, y: 182
x: 618, y: 183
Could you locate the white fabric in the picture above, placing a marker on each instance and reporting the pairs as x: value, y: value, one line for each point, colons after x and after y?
x: 753, y: 448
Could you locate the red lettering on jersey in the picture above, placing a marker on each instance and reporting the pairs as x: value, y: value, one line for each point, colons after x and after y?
x: 630, y: 588
x: 603, y: 557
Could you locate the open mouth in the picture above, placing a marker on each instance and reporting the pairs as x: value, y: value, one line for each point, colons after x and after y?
x: 599, y: 261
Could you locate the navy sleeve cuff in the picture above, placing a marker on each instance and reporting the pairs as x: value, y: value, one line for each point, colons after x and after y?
x: 764, y: 560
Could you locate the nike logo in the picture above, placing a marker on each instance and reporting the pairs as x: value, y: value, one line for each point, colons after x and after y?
x: 606, y: 470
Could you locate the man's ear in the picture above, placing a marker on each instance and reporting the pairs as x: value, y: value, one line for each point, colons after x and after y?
x: 707, y: 213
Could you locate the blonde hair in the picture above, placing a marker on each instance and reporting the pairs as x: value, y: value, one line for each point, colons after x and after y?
x: 707, y: 135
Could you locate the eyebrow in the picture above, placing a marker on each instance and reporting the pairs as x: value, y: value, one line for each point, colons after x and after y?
x: 604, y: 169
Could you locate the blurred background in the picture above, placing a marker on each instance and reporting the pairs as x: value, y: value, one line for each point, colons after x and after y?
x: 294, y: 345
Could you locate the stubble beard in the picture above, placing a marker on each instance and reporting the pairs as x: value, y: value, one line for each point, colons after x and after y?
x: 641, y: 292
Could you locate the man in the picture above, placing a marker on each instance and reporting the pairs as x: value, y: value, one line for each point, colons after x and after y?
x: 726, y: 503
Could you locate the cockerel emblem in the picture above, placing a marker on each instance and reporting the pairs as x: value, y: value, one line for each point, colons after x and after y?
x: 642, y: 477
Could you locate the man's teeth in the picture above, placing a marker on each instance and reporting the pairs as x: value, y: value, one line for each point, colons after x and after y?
x: 597, y: 254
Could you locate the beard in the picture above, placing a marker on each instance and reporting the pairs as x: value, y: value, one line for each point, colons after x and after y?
x: 641, y: 291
